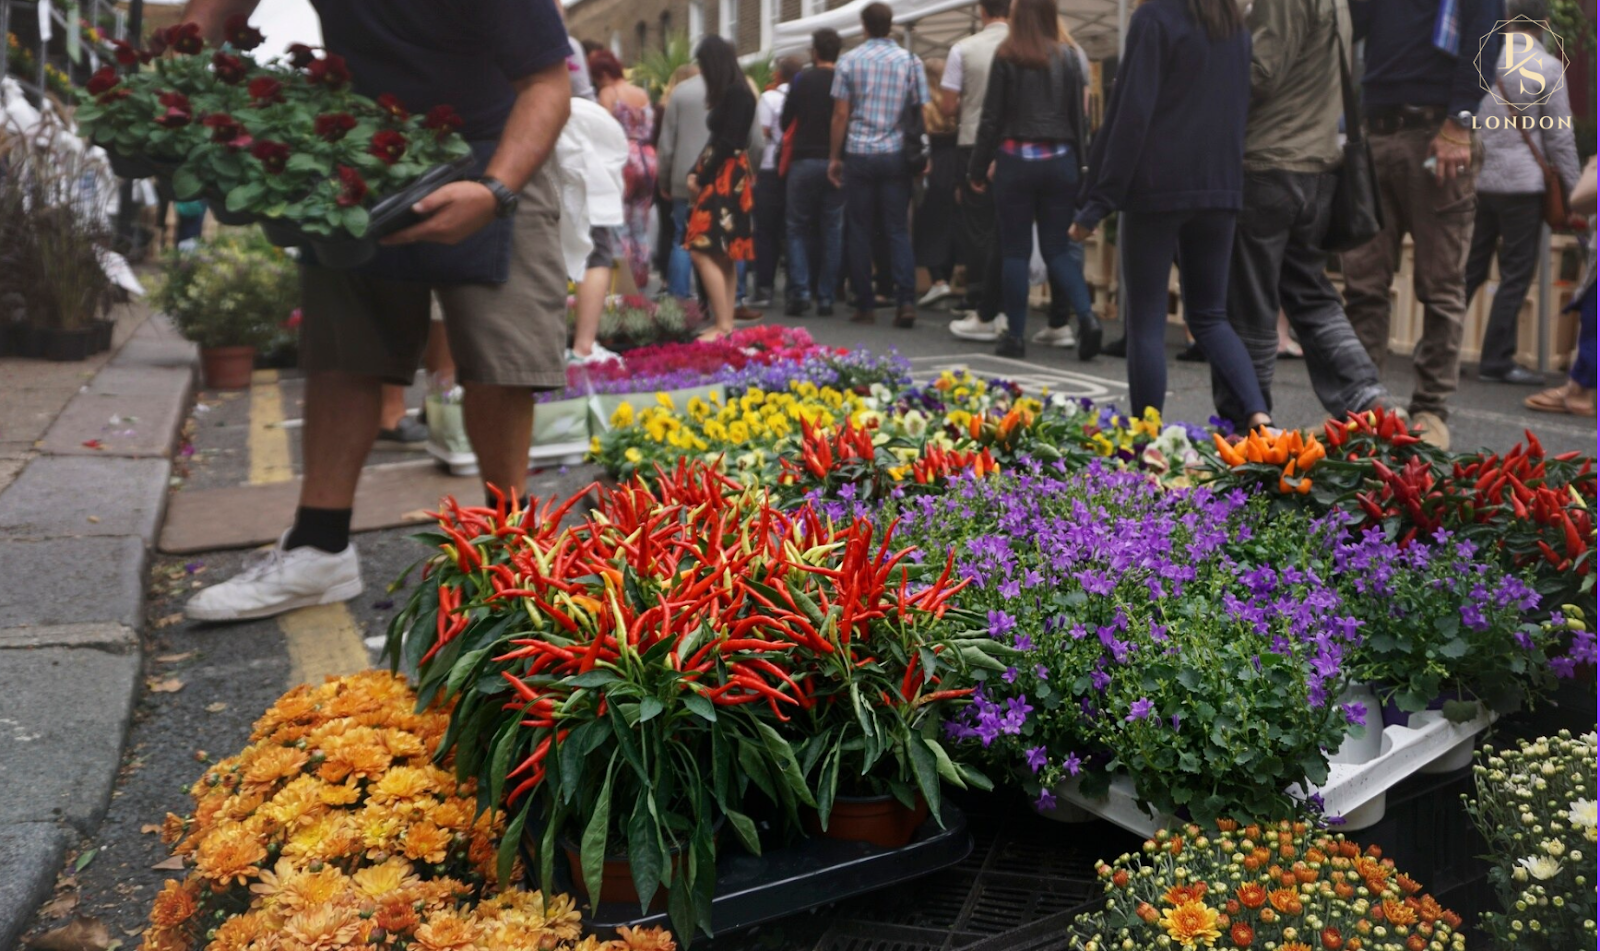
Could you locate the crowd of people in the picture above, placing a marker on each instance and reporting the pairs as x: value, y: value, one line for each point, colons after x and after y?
x: 1229, y: 147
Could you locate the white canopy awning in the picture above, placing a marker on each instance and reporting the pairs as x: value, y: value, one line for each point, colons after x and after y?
x: 933, y: 26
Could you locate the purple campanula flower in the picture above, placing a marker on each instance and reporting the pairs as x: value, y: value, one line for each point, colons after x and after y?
x: 1010, y: 675
x: 1045, y: 802
x: 1036, y: 758
x: 1140, y: 709
x: 1355, y: 713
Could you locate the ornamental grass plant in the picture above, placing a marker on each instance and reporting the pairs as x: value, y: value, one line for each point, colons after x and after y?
x: 1534, y: 803
x: 1282, y: 885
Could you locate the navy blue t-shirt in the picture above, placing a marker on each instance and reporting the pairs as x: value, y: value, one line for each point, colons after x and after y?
x: 462, y: 53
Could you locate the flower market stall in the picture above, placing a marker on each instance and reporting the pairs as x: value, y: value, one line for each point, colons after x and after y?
x: 820, y: 605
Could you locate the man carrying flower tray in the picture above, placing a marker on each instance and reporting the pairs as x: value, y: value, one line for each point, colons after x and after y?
x: 488, y: 246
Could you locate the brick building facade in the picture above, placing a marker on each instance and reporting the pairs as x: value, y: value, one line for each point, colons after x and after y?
x: 632, y: 27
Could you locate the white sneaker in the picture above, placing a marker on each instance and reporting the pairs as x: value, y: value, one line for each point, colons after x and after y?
x: 972, y: 328
x: 936, y: 293
x: 597, y: 354
x: 279, y: 581
x: 1061, y: 336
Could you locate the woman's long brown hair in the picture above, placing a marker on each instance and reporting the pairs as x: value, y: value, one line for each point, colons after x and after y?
x: 1034, y: 35
x: 1220, y: 18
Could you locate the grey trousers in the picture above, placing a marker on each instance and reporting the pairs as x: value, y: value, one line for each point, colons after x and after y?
x: 1278, y: 263
x: 1512, y: 224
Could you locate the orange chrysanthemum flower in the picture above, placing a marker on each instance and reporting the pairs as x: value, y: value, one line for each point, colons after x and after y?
x: 173, y: 906
x: 1251, y: 895
x: 1286, y: 900
x: 1191, y: 923
x: 230, y: 854
x: 1241, y: 934
x: 646, y: 939
x: 1398, y: 913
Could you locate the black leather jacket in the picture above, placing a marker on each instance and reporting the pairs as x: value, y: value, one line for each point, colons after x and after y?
x: 1030, y: 105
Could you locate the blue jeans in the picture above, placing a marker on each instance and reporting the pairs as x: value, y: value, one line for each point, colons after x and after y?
x: 1028, y: 193
x: 1203, y: 241
x: 877, y: 190
x: 815, y: 219
x: 680, y: 270
x: 1583, y: 363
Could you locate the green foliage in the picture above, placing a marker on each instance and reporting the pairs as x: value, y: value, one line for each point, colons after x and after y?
x: 236, y: 290
x: 761, y: 72
x: 655, y: 68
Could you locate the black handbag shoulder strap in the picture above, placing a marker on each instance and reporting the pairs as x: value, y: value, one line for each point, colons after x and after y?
x: 1352, y: 100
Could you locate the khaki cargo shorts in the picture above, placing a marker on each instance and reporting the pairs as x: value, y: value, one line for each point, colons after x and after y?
x: 511, y: 334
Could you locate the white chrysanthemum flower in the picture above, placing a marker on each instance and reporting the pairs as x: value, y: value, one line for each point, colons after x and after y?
x: 1581, y: 813
x: 1541, y: 867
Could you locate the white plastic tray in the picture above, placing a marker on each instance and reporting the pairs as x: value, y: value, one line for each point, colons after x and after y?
x: 1354, y: 791
x: 552, y: 454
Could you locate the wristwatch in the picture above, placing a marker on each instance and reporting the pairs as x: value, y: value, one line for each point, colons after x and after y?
x: 505, y: 200
x: 1464, y: 118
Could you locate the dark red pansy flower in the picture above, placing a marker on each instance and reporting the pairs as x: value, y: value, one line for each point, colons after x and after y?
x: 115, y: 95
x: 238, y: 31
x: 334, y: 126
x: 224, y: 128
x: 185, y: 38
x: 443, y: 120
x: 274, y: 156
x: 126, y: 53
x: 178, y: 112
x: 229, y: 69
x: 329, y: 71
x: 352, y: 187
x: 264, y: 91
x: 388, y: 145
x: 301, y: 55
x: 104, y: 80
x: 157, y: 43
x: 391, y: 104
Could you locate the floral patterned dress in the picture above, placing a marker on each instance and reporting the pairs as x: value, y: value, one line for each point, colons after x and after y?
x: 639, y: 188
x: 720, y: 221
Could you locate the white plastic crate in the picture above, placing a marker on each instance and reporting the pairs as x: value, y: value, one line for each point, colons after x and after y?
x: 1355, y: 791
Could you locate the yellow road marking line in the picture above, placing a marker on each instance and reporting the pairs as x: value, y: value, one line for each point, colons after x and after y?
x: 323, y: 641
x: 269, y: 441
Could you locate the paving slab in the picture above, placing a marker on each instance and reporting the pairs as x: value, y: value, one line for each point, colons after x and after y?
x: 243, y: 516
x: 30, y: 854
x: 130, y: 410
x: 71, y: 581
x: 63, y: 715
x: 109, y: 637
x: 66, y: 496
x: 156, y: 344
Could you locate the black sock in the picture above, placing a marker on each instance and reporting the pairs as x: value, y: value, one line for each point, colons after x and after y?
x: 324, y: 529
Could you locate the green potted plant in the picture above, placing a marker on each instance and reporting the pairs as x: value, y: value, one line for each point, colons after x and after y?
x: 52, y: 238
x: 231, y: 296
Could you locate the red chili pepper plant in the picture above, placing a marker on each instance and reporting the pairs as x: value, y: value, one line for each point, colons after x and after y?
x: 684, y: 657
x: 859, y: 463
x: 1534, y: 511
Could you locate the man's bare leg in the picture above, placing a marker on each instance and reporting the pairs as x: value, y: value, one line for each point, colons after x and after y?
x: 341, y: 425
x: 500, y: 424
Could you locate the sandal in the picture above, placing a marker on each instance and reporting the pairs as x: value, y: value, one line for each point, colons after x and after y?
x: 1567, y: 399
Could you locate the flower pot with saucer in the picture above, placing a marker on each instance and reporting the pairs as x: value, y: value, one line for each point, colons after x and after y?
x: 227, y: 368
x: 883, y: 821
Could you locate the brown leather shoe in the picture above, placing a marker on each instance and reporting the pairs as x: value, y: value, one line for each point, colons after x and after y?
x: 863, y: 317
x: 906, y: 317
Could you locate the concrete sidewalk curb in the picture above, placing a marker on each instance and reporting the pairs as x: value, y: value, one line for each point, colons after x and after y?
x: 77, y: 530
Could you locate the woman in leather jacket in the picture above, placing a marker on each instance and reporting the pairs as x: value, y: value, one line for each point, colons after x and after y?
x: 1030, y: 145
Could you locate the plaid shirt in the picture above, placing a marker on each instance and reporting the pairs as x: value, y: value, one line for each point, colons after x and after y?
x: 874, y: 79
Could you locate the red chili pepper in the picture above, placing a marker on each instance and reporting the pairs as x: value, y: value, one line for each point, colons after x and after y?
x: 1575, y: 545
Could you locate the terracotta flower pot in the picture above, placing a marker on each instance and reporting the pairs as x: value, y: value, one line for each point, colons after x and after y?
x: 227, y: 368
x: 616, y: 880
x: 877, y: 820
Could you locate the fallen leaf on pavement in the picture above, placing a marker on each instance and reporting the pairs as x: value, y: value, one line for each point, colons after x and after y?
x: 59, y: 907
x: 168, y: 621
x: 168, y: 685
x: 217, y: 707
x: 133, y: 931
x: 93, y: 444
x: 171, y: 864
x: 84, y: 860
x: 150, y: 828
x: 94, y: 520
x: 79, y: 934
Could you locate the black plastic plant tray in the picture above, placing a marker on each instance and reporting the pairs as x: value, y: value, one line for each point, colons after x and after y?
x: 388, y: 216
x: 752, y: 890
